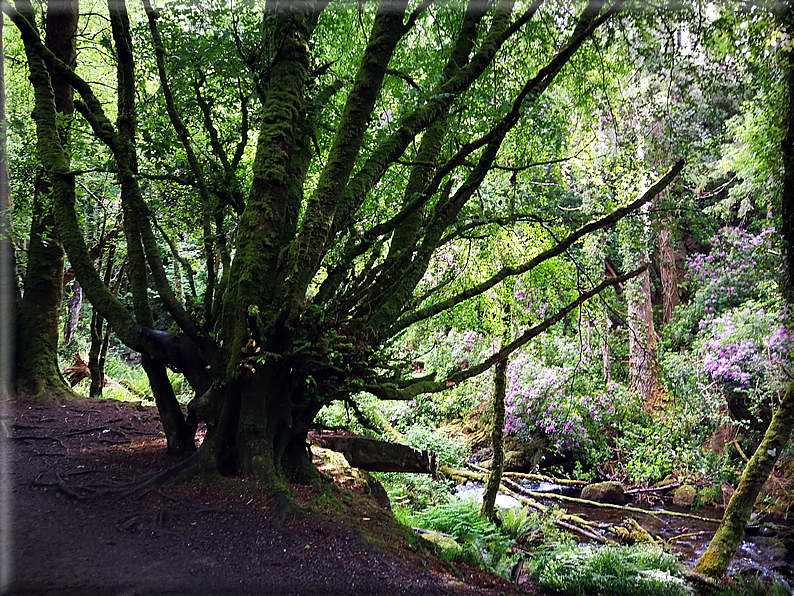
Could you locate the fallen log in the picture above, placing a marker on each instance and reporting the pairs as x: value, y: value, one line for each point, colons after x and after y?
x: 374, y: 455
x: 466, y: 475
x: 537, y: 477
x: 566, y: 521
x: 542, y: 478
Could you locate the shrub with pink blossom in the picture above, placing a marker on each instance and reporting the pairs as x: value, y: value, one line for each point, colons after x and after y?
x: 558, y: 401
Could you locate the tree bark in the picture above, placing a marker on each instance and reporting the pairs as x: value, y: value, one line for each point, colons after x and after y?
x: 37, y: 356
x: 667, y: 270
x: 494, y: 479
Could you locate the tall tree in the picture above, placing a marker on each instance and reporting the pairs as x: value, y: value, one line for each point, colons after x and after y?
x: 9, y: 290
x: 39, y: 312
x: 326, y: 260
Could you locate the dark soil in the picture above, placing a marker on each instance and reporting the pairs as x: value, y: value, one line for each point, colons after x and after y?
x: 74, y: 532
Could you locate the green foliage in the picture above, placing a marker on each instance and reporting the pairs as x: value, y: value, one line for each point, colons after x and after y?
x: 752, y: 586
x: 517, y: 522
x: 640, y: 570
x: 415, y: 491
x: 482, y: 543
x: 492, y: 555
x: 651, y: 449
x: 459, y: 518
x: 450, y: 452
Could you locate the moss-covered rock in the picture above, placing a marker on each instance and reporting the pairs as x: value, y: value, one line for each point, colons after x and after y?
x: 669, y: 479
x: 684, y: 495
x: 605, y: 492
x: 445, y: 543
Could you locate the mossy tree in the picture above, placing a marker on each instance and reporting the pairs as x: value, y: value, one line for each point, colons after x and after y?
x: 295, y: 313
x: 37, y: 371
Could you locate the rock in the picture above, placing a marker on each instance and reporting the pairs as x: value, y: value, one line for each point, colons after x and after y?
x: 444, y: 543
x: 374, y: 455
x: 605, y: 492
x: 336, y: 466
x: 684, y: 495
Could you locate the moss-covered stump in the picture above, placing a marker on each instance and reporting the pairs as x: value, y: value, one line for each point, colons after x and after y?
x: 685, y: 495
x: 667, y: 480
x: 521, y: 456
x: 605, y: 492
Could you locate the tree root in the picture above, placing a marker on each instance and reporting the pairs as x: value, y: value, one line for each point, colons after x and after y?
x: 45, y: 438
x: 85, y: 492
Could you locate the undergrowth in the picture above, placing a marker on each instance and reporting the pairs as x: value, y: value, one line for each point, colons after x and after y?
x: 639, y: 570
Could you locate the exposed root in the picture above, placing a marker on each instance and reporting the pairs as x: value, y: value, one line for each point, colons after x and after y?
x: 45, y: 438
x: 83, y: 492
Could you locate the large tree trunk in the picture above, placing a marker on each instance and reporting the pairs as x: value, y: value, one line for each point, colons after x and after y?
x: 37, y: 355
x: 278, y: 352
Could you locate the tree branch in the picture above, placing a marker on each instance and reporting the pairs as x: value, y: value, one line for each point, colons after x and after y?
x: 560, y: 248
x: 389, y: 392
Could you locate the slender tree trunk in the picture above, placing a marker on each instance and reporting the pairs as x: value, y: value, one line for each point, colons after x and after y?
x: 643, y: 369
x: 74, y: 307
x: 723, y: 546
x: 99, y: 339
x: 497, y: 440
x: 37, y: 357
x: 667, y: 270
x: 9, y: 290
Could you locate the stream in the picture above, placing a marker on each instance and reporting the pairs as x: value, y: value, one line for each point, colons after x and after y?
x: 761, y: 552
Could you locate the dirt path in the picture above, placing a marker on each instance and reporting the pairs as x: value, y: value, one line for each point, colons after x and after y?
x: 193, y: 538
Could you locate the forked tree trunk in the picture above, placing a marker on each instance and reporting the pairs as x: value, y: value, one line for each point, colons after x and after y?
x: 263, y: 422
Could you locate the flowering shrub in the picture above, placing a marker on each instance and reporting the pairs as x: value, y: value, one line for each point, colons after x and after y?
x: 738, y: 268
x: 746, y: 347
x: 553, y: 400
x: 735, y: 337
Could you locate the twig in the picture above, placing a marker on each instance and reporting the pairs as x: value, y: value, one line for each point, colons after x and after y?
x: 652, y: 489
x: 689, y: 535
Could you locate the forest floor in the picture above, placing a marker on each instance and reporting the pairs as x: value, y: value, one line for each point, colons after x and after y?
x: 198, y: 537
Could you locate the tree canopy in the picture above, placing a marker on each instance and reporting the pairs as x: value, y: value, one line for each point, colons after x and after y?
x: 302, y: 184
